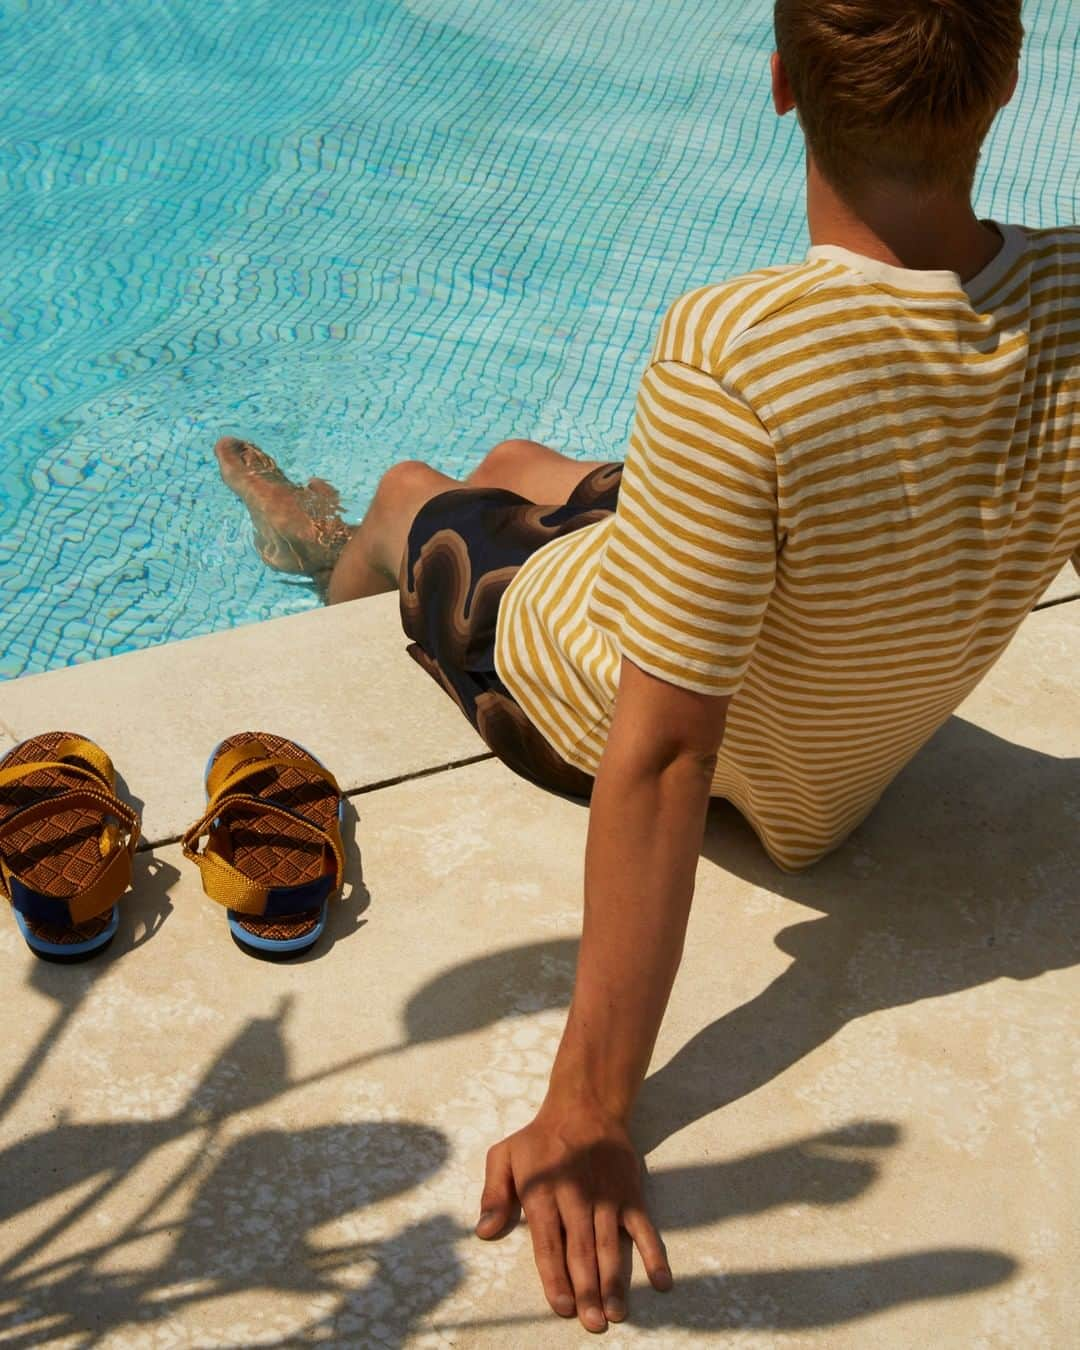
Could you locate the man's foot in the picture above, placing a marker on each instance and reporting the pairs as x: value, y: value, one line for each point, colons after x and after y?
x: 297, y: 529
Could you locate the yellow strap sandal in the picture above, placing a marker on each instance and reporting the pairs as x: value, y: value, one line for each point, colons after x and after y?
x: 66, y: 844
x: 273, y: 855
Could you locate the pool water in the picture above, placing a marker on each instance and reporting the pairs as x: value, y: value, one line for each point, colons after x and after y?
x: 356, y: 232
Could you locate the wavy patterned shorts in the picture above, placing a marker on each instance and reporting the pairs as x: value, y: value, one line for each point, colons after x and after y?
x: 465, y: 547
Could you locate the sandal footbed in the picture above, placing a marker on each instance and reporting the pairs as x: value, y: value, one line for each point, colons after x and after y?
x: 59, y: 856
x: 269, y: 850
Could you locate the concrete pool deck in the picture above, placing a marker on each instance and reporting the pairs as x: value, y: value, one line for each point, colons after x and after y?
x: 861, y: 1119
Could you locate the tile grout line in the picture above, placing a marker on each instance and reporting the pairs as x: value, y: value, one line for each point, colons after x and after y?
x: 148, y: 845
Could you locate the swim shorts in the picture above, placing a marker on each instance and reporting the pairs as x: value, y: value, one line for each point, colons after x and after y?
x: 464, y: 548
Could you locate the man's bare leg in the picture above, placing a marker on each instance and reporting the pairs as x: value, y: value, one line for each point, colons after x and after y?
x: 532, y: 470
x: 371, y: 561
x: 300, y: 529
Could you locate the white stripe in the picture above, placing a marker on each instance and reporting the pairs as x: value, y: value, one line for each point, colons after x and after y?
x: 817, y: 428
x: 847, y: 470
x: 839, y: 553
x: 949, y: 568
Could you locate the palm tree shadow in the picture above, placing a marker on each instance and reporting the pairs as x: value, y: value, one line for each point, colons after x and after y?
x: 964, y: 874
x: 143, y: 910
x: 832, y: 1168
x: 258, y: 1202
x: 801, y: 1298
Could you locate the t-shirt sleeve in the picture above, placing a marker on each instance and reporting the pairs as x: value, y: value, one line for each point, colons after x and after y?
x: 690, y: 561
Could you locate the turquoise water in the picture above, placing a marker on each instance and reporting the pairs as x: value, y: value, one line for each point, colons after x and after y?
x: 362, y: 231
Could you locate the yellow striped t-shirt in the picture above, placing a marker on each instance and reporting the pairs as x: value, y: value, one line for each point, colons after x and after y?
x: 847, y: 484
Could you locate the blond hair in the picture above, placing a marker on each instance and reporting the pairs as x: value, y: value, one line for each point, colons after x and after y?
x: 898, y: 90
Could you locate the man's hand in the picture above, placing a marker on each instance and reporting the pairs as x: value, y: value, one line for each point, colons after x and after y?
x: 574, y: 1170
x: 576, y: 1175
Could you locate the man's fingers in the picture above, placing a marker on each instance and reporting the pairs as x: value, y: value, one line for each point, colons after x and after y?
x: 609, y: 1261
x: 498, y: 1203
x: 647, y: 1240
x: 577, y: 1219
x: 548, y: 1252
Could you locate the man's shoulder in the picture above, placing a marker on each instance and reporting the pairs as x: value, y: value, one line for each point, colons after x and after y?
x: 704, y: 323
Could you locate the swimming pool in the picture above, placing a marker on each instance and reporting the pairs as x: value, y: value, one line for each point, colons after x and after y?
x: 358, y: 232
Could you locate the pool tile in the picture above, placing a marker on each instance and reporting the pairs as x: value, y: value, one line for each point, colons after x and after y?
x: 351, y: 279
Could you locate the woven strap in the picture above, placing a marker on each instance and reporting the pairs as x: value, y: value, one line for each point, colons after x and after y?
x: 239, y: 764
x: 96, y: 765
x: 115, y: 876
x: 227, y: 884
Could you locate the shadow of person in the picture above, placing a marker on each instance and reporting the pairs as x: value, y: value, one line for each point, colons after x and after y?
x: 965, y: 873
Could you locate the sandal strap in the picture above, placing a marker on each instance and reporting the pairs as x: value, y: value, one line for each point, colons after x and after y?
x: 89, y: 798
x: 252, y: 757
x: 78, y: 747
x: 229, y: 886
x: 17, y: 772
x: 109, y: 884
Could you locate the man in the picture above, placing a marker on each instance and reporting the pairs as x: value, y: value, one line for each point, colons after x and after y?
x: 849, y: 479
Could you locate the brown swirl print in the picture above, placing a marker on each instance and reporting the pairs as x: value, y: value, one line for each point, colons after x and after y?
x: 465, y: 547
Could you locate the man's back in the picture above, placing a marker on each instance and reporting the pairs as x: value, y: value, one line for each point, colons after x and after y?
x: 847, y: 485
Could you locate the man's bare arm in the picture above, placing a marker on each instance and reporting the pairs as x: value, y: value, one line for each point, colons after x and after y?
x: 573, y: 1168
x: 645, y: 832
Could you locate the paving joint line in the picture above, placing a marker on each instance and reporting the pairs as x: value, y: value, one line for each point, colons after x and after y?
x: 418, y: 773
x: 1058, y: 600
x: 147, y: 845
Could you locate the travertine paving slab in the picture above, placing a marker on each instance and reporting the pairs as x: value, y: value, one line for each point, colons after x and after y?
x: 1066, y: 585
x: 860, y: 1122
x: 337, y: 680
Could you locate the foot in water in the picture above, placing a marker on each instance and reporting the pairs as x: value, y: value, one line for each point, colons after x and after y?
x: 297, y: 529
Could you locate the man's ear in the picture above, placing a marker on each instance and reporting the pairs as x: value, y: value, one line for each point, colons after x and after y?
x: 1011, y: 87
x: 782, y: 97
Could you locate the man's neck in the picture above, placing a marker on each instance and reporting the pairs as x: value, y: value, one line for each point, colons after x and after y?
x: 932, y: 233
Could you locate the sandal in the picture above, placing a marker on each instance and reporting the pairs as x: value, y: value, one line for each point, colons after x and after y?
x: 273, y: 854
x: 66, y: 844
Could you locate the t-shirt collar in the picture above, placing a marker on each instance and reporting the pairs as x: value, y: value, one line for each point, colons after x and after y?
x: 912, y: 279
